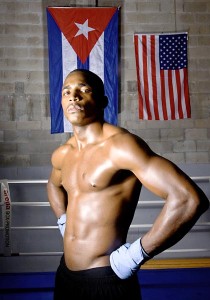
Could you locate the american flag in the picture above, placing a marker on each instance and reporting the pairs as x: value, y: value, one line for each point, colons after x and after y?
x: 162, y: 76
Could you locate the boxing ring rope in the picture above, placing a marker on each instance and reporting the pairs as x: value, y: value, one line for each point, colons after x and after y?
x: 7, y: 204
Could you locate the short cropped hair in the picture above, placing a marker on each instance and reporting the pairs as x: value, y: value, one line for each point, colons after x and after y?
x: 97, y: 85
x: 93, y: 80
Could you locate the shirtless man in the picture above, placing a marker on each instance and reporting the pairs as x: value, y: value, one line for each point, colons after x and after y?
x: 93, y: 190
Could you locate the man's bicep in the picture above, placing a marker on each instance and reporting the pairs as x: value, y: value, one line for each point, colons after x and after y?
x: 161, y: 177
x: 55, y: 177
x: 156, y: 173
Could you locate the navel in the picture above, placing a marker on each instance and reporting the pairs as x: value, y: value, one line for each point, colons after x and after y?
x: 72, y: 237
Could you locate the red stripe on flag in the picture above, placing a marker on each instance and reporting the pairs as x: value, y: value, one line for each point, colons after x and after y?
x: 186, y: 94
x: 145, y: 74
x: 136, y: 45
x: 171, y: 94
x: 154, y: 81
x: 163, y: 95
x: 179, y: 94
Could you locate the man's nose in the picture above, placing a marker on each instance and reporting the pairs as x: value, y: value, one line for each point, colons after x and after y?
x: 74, y: 96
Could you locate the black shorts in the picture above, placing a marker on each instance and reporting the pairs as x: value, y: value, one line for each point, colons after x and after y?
x: 94, y: 284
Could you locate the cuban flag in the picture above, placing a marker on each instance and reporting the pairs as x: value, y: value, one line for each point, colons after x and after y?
x: 84, y: 38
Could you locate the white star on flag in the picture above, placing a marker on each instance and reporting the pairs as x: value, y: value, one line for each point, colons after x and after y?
x: 83, y: 29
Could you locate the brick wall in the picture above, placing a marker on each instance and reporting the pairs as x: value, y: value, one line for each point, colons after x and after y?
x: 25, y: 138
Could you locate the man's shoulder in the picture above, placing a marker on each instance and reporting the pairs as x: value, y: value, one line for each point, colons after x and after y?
x: 112, y: 131
x: 123, y: 143
x: 61, y: 151
x: 119, y: 134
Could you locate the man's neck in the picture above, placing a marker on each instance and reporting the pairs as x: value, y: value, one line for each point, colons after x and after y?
x: 89, y: 134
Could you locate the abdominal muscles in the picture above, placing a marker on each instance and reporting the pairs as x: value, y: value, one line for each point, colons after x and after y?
x: 97, y: 224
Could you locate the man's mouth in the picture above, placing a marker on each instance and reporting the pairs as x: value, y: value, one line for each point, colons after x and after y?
x: 74, y: 108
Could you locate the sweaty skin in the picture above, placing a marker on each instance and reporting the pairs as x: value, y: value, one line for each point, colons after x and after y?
x: 96, y: 180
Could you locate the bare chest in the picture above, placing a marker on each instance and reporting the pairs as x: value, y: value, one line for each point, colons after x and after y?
x: 88, y: 170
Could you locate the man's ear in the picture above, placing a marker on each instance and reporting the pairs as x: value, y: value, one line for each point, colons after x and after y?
x: 104, y: 102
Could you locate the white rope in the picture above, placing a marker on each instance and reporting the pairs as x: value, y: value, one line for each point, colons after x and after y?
x: 6, y: 216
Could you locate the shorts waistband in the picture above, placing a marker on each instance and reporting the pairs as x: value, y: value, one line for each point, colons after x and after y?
x: 98, y: 272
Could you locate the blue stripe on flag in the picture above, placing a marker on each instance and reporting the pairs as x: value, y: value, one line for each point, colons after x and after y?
x: 56, y: 82
x: 111, y: 69
x: 80, y: 65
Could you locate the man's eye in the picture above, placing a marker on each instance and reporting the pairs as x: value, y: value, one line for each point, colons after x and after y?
x: 66, y: 93
x: 86, y: 90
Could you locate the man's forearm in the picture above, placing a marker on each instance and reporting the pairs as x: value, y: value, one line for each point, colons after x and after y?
x: 172, y: 224
x: 57, y: 199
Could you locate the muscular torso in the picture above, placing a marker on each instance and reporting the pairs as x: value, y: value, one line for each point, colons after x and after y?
x: 101, y: 204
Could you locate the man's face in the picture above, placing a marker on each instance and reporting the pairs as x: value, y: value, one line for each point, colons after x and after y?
x: 78, y: 102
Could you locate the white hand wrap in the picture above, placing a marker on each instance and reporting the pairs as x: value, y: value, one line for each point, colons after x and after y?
x: 126, y: 260
x: 62, y: 224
